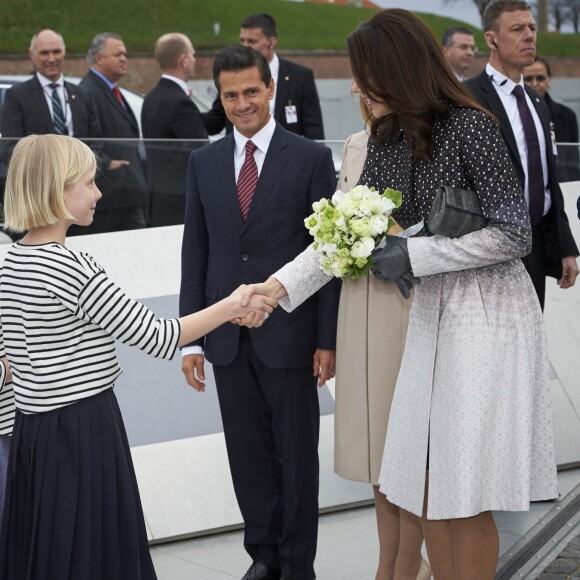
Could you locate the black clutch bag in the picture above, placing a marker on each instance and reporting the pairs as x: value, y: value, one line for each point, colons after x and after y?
x: 455, y: 212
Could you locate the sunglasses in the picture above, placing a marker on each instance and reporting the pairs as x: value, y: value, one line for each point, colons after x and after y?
x: 537, y: 78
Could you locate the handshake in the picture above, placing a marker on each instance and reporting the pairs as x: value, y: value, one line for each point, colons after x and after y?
x: 253, y: 303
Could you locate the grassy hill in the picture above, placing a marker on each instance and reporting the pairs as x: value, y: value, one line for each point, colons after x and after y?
x: 302, y: 26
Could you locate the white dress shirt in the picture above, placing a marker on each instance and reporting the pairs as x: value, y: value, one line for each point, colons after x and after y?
x: 504, y: 87
x: 262, y: 141
x: 61, y: 91
x: 275, y: 70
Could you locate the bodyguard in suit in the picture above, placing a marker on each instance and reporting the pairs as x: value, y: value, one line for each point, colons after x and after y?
x: 47, y: 103
x: 295, y: 105
x: 124, y: 202
x: 266, y: 379
x: 510, y: 33
x: 169, y: 113
x: 539, y: 76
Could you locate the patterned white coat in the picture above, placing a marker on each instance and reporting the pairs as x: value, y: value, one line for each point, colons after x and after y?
x: 472, y: 400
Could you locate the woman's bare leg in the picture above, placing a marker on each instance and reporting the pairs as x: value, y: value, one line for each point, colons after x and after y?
x: 439, y: 543
x: 400, y: 540
x: 388, y: 524
x: 410, y: 542
x: 476, y: 547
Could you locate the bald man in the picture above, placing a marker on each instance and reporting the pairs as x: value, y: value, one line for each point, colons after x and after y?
x: 47, y: 103
x: 169, y: 113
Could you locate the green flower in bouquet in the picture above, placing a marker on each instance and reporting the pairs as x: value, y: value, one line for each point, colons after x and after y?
x: 347, y: 228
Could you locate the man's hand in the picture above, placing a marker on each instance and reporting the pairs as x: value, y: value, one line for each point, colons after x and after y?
x: 192, y: 368
x: 569, y: 272
x: 271, y: 288
x: 324, y: 365
x: 116, y: 163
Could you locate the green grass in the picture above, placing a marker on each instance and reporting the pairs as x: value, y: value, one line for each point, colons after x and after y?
x: 302, y: 26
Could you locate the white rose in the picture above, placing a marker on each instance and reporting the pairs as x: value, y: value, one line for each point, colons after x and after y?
x: 378, y: 224
x: 362, y: 248
x: 338, y: 197
x: 361, y: 227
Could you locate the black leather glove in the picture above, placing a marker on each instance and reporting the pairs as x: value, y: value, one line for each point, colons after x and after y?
x: 392, y: 264
x: 405, y: 283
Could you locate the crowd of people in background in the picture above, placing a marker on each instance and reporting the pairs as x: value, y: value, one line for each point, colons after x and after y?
x: 243, y: 200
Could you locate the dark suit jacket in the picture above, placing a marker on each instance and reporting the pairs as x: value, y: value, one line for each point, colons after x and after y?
x: 125, y: 186
x: 566, y: 129
x: 296, y: 87
x: 26, y: 112
x: 168, y: 113
x: 561, y: 242
x: 220, y: 252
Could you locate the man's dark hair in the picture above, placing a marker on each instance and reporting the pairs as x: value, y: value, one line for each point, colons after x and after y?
x: 237, y: 58
x: 263, y: 21
x: 447, y: 38
x: 497, y: 8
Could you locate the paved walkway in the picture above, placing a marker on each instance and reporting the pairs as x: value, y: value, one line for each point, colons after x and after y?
x: 566, y: 565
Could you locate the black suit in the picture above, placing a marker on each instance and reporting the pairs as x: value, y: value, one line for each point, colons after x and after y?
x: 124, y: 200
x: 295, y: 87
x: 168, y: 113
x: 566, y: 130
x: 26, y: 112
x: 268, y: 396
x: 551, y: 239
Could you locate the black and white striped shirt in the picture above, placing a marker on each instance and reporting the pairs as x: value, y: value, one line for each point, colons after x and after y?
x: 60, y: 316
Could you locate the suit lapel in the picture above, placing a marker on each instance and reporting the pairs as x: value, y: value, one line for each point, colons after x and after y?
x: 75, y: 107
x: 495, y: 105
x: 39, y: 99
x: 275, y: 160
x: 547, y: 124
x: 111, y: 97
x: 282, y: 91
x: 226, y: 178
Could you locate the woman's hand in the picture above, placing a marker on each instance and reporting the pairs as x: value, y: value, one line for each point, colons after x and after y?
x: 270, y: 288
x: 392, y: 264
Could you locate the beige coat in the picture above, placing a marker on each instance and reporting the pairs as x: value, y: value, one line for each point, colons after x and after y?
x: 372, y: 324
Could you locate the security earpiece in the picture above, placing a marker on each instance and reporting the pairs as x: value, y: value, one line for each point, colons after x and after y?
x: 494, y: 42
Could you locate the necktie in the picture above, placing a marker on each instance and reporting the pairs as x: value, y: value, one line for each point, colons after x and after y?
x: 536, y: 186
x: 58, y: 118
x: 118, y: 95
x: 247, y: 180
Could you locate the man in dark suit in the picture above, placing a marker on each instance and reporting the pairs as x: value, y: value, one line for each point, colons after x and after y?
x: 539, y: 76
x: 510, y: 32
x: 264, y: 377
x: 124, y: 202
x: 30, y: 107
x: 169, y: 113
x: 295, y: 105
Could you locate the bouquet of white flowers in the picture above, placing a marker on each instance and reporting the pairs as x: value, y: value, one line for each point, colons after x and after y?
x: 348, y: 227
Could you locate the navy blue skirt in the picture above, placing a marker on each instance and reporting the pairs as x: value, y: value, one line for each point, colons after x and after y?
x: 72, y: 509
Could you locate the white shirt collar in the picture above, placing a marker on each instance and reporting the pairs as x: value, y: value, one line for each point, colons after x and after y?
x: 177, y: 81
x: 45, y: 82
x: 261, y: 139
x: 502, y: 82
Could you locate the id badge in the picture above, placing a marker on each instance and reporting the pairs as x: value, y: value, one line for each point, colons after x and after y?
x: 554, y: 144
x: 291, y: 114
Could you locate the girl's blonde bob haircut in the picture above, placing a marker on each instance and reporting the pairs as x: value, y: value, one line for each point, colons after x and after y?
x: 40, y: 168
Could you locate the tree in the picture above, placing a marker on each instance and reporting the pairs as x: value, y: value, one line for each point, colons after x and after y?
x: 574, y: 14
x: 559, y: 12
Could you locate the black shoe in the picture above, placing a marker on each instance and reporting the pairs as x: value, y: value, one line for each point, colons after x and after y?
x: 259, y: 571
